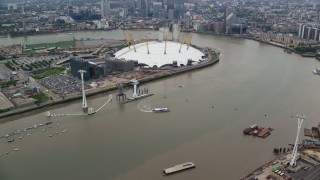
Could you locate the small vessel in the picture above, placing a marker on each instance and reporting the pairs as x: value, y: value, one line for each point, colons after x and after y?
x: 160, y: 110
x: 50, y: 135
x: 7, y: 153
x: 20, y: 137
x: 47, y: 123
x: 64, y: 131
x: 28, y: 134
x: 178, y: 168
x: 16, y: 149
x: 70, y: 33
x: 58, y: 124
x: 10, y: 140
x: 42, y: 130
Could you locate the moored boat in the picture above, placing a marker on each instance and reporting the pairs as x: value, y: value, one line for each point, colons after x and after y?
x: 160, y: 110
x: 178, y: 168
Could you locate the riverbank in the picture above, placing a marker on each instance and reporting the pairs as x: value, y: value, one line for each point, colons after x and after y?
x: 213, y: 58
x: 313, y: 55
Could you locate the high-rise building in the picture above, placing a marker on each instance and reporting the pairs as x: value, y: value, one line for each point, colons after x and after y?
x: 176, y: 32
x: 144, y: 11
x: 157, y: 6
x: 309, y: 31
x: 105, y: 9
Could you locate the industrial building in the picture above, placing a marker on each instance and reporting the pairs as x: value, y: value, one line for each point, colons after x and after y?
x: 93, y: 70
x: 116, y: 65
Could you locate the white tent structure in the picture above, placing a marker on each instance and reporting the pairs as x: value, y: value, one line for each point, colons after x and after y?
x: 157, y: 57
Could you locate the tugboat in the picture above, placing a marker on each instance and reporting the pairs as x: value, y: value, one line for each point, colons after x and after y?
x: 160, y: 110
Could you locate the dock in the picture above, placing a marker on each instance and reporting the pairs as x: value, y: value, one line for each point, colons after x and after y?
x: 179, y: 168
x: 137, y: 98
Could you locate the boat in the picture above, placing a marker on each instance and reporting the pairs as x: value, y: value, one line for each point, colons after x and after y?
x: 47, y: 123
x: 28, y: 134
x: 250, y: 129
x: 70, y: 33
x: 178, y: 168
x: 64, y: 131
x: 20, y: 137
x: 7, y: 153
x: 160, y: 110
x: 16, y: 149
x: 10, y: 140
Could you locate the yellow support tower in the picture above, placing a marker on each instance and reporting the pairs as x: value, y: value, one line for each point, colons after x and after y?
x: 148, y: 45
x: 189, y: 40
x: 165, y: 44
x: 132, y: 42
x: 140, y: 40
x: 182, y: 41
x: 127, y: 39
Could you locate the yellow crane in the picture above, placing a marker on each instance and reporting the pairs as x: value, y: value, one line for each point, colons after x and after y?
x: 132, y: 42
x: 165, y: 43
x: 189, y: 40
x: 182, y: 41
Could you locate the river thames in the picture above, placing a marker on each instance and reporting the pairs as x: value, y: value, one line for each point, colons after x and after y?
x: 208, y: 115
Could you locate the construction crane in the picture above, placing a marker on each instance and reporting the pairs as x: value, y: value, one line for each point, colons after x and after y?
x: 165, y: 44
x: 148, y: 45
x: 132, y: 42
x: 182, y: 41
x: 189, y: 40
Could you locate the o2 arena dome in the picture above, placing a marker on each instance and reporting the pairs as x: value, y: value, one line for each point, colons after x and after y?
x: 161, y: 52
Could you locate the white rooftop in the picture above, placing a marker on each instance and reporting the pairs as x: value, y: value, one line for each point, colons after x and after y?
x: 157, y: 56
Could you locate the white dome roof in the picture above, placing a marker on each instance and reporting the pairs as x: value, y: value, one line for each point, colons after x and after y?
x: 157, y: 56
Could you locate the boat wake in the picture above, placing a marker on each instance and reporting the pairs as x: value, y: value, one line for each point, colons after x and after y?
x: 144, y: 107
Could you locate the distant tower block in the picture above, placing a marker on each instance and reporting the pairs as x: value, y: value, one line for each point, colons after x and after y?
x: 134, y: 82
x: 295, y: 148
x: 84, y: 99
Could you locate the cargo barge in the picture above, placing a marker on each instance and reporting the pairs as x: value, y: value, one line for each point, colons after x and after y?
x: 179, y: 168
x: 255, y: 130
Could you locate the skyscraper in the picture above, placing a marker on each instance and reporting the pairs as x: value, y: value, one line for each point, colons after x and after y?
x: 144, y: 11
x: 105, y: 9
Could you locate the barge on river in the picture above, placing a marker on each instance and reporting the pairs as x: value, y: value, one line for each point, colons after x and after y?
x: 178, y: 168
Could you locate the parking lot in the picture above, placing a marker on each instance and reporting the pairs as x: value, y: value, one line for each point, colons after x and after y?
x: 63, y: 85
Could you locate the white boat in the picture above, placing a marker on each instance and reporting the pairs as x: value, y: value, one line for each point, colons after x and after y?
x: 70, y: 33
x: 16, y: 149
x: 20, y: 137
x: 64, y: 131
x: 160, y: 110
x: 28, y: 134
x: 179, y: 167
